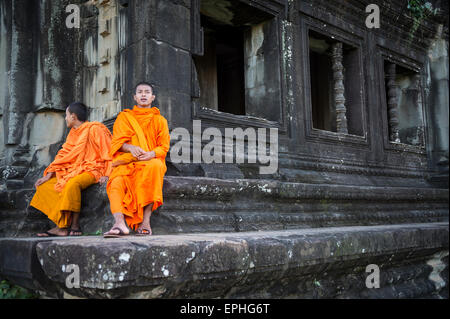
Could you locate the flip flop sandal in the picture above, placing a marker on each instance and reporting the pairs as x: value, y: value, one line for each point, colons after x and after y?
x: 49, y: 234
x: 144, y: 232
x: 119, y: 235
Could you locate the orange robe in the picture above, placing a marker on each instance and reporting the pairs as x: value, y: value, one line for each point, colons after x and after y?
x: 135, y: 184
x: 81, y: 161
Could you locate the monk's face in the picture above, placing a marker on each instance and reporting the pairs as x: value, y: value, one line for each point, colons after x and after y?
x: 144, y: 96
x: 71, y: 118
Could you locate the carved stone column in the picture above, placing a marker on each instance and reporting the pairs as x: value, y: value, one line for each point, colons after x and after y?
x: 414, y: 98
x: 338, y: 79
x: 102, y: 61
x: 392, y: 103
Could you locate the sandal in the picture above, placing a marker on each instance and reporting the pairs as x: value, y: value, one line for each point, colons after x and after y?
x: 119, y: 235
x: 49, y: 234
x: 144, y: 232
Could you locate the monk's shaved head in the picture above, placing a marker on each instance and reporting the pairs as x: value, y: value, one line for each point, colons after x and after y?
x: 79, y: 109
x: 143, y: 83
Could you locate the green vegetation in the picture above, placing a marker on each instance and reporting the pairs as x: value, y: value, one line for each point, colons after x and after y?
x: 10, y: 291
x: 419, y: 10
x: 97, y: 233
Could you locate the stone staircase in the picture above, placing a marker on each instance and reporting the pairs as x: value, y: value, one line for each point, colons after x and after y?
x: 239, y: 238
x: 14, y: 173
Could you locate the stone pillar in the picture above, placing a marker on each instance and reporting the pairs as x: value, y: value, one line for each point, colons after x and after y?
x: 392, y: 103
x: 101, y: 61
x: 159, y: 37
x: 338, y: 78
x: 437, y: 108
x: 5, y: 65
x: 20, y: 69
x: 38, y: 79
x: 412, y: 115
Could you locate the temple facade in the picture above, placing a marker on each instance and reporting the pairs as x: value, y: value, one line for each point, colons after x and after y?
x: 325, y: 122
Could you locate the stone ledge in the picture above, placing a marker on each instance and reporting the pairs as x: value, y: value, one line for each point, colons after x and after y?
x: 268, y: 264
x: 193, y: 204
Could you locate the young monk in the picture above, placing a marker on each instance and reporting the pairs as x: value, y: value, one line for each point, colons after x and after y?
x: 139, y: 146
x: 82, y: 161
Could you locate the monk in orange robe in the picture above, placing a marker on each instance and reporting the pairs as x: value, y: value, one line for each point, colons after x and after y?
x: 82, y: 161
x: 139, y: 146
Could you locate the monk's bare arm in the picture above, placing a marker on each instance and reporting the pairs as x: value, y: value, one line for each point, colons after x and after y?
x: 42, y: 180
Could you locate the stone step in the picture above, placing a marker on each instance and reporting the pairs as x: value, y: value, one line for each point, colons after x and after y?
x: 15, y: 184
x: 193, y: 204
x: 15, y: 172
x: 299, y: 263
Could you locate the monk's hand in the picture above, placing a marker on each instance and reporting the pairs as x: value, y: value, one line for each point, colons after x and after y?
x: 147, y: 156
x: 103, y: 179
x: 136, y: 151
x: 42, y: 180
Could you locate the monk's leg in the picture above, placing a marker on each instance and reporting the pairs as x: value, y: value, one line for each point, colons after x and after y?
x: 75, y: 229
x: 116, y: 193
x: 119, y: 225
x: 44, y: 200
x: 145, y: 228
x: 150, y: 187
x: 71, y: 201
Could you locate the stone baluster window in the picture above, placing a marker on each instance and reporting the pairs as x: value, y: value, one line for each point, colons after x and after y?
x: 404, y: 105
x: 336, y: 94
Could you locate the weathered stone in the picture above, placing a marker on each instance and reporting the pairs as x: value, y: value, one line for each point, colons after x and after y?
x: 202, y: 204
x: 18, y: 261
x: 47, y: 128
x: 324, y: 178
x: 222, y: 171
x: 311, y: 263
x: 161, y: 64
x: 175, y: 17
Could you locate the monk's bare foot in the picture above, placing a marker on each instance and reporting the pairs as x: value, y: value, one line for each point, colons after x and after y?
x: 75, y: 231
x: 56, y: 231
x: 118, y: 229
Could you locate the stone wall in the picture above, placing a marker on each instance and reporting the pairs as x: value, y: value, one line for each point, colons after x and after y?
x: 122, y: 42
x: 354, y: 173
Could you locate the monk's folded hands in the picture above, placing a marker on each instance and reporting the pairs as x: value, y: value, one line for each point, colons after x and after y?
x: 147, y: 156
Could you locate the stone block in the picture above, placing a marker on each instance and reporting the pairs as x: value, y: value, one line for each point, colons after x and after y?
x: 176, y: 18
x: 161, y: 64
x: 308, y: 263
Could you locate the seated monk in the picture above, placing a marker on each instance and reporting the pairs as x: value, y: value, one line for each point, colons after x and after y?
x: 139, y: 146
x: 82, y: 161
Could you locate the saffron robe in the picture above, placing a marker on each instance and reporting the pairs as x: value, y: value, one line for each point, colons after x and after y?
x: 134, y: 184
x: 58, y: 206
x: 81, y: 161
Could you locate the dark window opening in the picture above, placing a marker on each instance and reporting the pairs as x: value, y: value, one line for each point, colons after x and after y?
x: 404, y: 105
x: 230, y: 70
x: 239, y: 71
x: 221, y: 68
x: 323, y: 82
x: 324, y: 117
